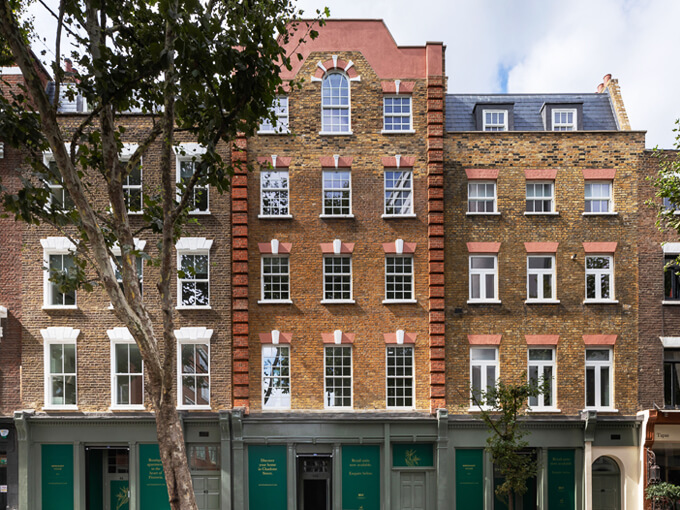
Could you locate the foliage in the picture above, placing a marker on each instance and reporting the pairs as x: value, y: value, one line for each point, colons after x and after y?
x: 202, y: 71
x: 664, y: 495
x: 667, y: 184
x: 500, y: 408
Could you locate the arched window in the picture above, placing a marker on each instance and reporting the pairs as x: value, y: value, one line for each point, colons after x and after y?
x: 335, y: 116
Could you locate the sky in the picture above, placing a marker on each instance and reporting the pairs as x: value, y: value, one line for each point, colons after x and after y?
x: 542, y: 46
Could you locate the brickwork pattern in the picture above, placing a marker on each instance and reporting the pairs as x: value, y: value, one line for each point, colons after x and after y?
x: 10, y: 293
x: 368, y: 319
x: 93, y: 317
x: 656, y: 320
x: 569, y: 153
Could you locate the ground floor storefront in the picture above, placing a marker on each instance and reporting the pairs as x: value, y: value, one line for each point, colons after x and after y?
x: 306, y: 461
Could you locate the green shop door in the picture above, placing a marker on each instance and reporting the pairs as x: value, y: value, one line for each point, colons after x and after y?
x: 204, y: 463
x: 108, y: 478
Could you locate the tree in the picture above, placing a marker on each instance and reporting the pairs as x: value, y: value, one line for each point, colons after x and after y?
x: 206, y: 69
x: 667, y: 183
x: 500, y: 408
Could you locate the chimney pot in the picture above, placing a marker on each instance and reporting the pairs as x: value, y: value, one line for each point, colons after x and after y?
x: 606, y: 79
x: 600, y: 88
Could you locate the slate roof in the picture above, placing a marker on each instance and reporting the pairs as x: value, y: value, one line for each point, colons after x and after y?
x: 598, y: 114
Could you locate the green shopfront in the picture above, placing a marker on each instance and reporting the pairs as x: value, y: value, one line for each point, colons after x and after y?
x: 296, y: 461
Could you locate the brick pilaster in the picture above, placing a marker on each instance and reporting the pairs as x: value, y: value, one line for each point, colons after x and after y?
x: 239, y: 272
x: 435, y: 227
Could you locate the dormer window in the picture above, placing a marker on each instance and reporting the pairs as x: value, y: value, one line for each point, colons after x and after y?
x: 335, y: 104
x: 495, y: 120
x: 564, y: 119
x: 562, y: 116
x: 494, y: 116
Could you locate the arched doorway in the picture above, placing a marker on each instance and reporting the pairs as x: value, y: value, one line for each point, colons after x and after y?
x: 606, y: 484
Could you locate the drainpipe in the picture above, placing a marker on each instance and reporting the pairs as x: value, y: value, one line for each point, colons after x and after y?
x: 589, y: 418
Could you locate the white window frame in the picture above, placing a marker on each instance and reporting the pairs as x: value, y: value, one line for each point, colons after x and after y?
x: 482, y: 273
x: 599, y: 274
x: 58, y: 336
x: 324, y: 190
x: 263, y: 298
x: 609, y: 198
x: 286, y: 405
x: 191, y: 152
x: 541, y: 366
x: 325, y: 129
x: 282, y: 113
x: 192, y: 246
x: 564, y: 126
x: 128, y: 150
x: 390, y: 192
x: 57, y: 187
x: 328, y: 399
x: 483, y: 365
x: 410, y: 298
x: 285, y: 190
x: 550, y: 198
x: 55, y: 246
x: 386, y: 115
x: 192, y: 336
x: 540, y: 274
x: 116, y: 252
x: 122, y: 336
x: 474, y: 199
x: 597, y: 367
x: 351, y: 279
x: 494, y: 126
x: 396, y: 377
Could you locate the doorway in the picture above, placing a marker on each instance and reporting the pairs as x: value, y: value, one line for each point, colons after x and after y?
x: 314, y: 482
x: 412, y: 491
x: 204, y: 463
x: 606, y: 484
x: 108, y: 478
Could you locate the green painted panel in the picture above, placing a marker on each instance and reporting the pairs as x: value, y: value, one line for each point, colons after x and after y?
x: 561, y: 476
x: 120, y: 495
x: 361, y: 477
x: 153, y: 492
x: 413, y: 455
x: 470, y: 479
x: 267, y: 478
x: 57, y: 476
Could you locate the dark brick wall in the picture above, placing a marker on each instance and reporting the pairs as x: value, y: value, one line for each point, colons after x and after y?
x: 656, y: 320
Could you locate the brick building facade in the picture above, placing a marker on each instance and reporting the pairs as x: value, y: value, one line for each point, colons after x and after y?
x: 394, y: 250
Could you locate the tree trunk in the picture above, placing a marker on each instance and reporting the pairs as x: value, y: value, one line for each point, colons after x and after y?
x: 173, y: 456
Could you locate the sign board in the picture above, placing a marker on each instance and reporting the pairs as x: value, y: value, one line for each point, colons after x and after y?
x: 667, y: 433
x: 57, y: 476
x: 361, y: 477
x: 413, y: 455
x: 561, y: 476
x: 267, y: 477
x: 470, y: 479
x: 153, y: 491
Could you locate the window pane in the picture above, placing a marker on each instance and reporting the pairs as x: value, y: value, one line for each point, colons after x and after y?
x: 490, y: 286
x: 540, y: 354
x: 482, y: 262
x: 604, y: 383
x: 121, y: 358
x: 533, y: 286
x: 590, y: 386
x: 483, y: 354
x: 597, y: 355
